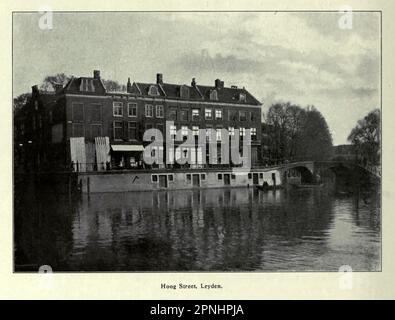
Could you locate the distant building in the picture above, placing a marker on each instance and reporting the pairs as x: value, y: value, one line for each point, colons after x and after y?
x: 84, y: 126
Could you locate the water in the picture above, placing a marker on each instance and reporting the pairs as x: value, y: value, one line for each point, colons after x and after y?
x: 199, y: 230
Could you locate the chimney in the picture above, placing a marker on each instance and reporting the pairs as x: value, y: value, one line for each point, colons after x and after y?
x: 35, y: 90
x: 219, y: 84
x: 58, y: 87
x: 193, y: 83
x: 159, y: 78
x: 96, y: 74
x: 129, y: 86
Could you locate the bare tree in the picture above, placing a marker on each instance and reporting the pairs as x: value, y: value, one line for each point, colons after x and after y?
x: 50, y: 81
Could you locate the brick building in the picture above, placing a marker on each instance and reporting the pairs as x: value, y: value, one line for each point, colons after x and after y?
x: 84, y: 126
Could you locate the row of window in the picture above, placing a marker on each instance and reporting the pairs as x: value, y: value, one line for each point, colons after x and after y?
x: 195, y: 131
x: 184, y: 93
x: 128, y: 130
x: 220, y: 176
x: 94, y: 112
x: 132, y: 110
x: 209, y: 113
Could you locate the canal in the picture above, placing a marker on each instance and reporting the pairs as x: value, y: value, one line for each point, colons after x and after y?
x: 239, y: 229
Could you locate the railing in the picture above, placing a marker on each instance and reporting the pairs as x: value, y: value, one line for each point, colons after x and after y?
x: 93, y: 167
x: 371, y: 168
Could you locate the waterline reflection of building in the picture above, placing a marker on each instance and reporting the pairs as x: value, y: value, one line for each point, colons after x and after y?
x: 217, y: 229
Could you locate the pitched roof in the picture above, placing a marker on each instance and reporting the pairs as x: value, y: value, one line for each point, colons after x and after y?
x: 197, y: 93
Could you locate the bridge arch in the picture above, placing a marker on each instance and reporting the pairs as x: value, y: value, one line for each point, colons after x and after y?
x: 298, y: 173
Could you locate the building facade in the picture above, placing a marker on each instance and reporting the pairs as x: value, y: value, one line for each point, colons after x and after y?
x: 83, y: 127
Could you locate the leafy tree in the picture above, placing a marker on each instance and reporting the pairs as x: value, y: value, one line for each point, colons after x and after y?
x: 296, y: 133
x: 366, y: 137
x: 315, y: 142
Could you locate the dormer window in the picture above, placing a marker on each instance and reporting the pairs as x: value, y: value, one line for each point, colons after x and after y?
x: 213, y: 95
x: 153, y: 91
x: 242, y: 97
x: 87, y: 85
x: 184, y: 92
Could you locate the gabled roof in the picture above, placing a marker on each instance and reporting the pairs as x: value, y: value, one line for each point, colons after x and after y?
x: 197, y: 93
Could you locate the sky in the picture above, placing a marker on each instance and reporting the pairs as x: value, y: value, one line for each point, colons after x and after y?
x: 304, y: 58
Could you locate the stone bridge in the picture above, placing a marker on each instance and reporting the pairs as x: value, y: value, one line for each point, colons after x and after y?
x: 309, y: 171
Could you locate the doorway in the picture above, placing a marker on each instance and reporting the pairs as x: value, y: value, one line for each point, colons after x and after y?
x: 196, y: 180
x: 162, y: 181
x: 255, y: 179
x: 227, y: 179
x: 274, y: 179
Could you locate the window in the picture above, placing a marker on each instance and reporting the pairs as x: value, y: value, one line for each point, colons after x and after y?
x: 261, y: 175
x: 159, y: 126
x: 249, y: 176
x: 208, y: 114
x: 242, y: 132
x: 218, y: 114
x: 132, y: 109
x: 188, y: 176
x: 231, y: 131
x: 219, y: 134
x: 232, y: 115
x: 118, y: 130
x: 159, y: 111
x: 171, y: 177
x: 78, y: 112
x: 172, y: 114
x: 95, y: 112
x: 96, y: 130
x: 149, y: 110
x: 153, y: 91
x: 253, y: 133
x: 242, y: 116
x: 195, y: 114
x: 117, y: 109
x: 78, y: 130
x: 203, y: 176
x: 173, y: 130
x: 195, y: 130
x: 184, y: 115
x: 208, y: 133
x: 184, y: 131
x: 242, y: 97
x: 132, y: 130
x: 213, y: 95
x: 219, y: 176
x: 154, y: 178
x: 87, y: 85
x: 233, y: 176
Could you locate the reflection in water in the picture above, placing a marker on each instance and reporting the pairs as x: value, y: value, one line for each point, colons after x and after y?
x: 199, y: 230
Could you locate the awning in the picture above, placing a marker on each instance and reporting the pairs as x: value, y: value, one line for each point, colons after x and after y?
x: 127, y: 147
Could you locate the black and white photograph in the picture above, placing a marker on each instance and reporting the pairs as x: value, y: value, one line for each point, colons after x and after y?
x: 197, y: 141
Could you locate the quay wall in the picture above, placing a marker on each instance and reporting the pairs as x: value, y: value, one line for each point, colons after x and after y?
x: 164, y: 180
